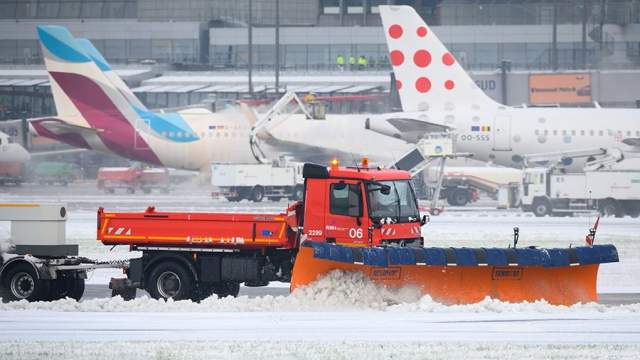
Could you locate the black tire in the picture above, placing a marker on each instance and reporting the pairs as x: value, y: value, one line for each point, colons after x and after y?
x: 170, y: 280
x: 459, y: 197
x: 541, y: 207
x: 127, y: 294
x: 66, y: 287
x: 257, y: 194
x: 610, y: 207
x: 226, y: 288
x: 632, y: 208
x: 298, y: 193
x: 22, y: 283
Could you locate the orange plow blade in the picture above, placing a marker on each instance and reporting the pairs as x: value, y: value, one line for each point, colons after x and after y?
x: 464, y: 275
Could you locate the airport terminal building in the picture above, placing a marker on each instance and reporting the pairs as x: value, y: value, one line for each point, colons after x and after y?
x: 184, y: 47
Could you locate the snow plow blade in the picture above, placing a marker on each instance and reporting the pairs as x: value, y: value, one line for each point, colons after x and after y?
x: 466, y: 275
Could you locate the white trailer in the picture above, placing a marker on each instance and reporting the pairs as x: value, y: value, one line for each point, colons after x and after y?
x: 36, y: 263
x: 277, y: 180
x: 547, y: 191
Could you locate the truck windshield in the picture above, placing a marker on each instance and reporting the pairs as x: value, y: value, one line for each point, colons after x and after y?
x: 400, y: 204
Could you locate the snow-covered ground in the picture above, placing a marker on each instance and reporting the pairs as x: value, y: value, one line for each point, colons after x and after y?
x: 341, y: 316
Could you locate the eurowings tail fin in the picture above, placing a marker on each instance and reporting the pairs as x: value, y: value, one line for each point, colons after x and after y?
x: 106, y: 69
x: 427, y: 74
x: 83, y: 94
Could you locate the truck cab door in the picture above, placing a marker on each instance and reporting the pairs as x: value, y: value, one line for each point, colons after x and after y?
x: 345, y: 220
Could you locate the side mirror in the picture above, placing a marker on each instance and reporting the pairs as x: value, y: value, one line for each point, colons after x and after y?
x: 425, y: 219
x: 385, y: 189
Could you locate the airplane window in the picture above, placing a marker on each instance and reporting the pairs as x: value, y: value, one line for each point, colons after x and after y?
x: 537, y: 132
x: 591, y: 132
x: 638, y: 133
x: 564, y: 132
x: 573, y: 133
x: 555, y: 132
x: 581, y: 132
x: 600, y: 133
x: 546, y: 132
x: 628, y: 132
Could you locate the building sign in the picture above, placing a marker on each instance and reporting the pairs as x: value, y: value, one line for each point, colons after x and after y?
x: 559, y: 88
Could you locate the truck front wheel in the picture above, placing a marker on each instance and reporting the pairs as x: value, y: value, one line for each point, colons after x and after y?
x: 22, y: 283
x: 541, y: 207
x: 169, y: 280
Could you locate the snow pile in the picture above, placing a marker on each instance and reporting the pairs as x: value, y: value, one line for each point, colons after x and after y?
x: 337, y: 291
x: 310, y: 350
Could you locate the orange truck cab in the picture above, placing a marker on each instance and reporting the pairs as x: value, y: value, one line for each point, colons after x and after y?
x: 361, y: 206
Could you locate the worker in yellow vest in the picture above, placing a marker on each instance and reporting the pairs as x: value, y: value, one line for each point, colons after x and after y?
x: 340, y: 62
x: 352, y: 62
x: 362, y: 63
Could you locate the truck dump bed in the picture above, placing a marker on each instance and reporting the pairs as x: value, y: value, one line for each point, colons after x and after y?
x: 192, y: 229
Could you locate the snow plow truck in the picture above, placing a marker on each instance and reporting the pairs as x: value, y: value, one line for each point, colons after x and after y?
x: 361, y: 219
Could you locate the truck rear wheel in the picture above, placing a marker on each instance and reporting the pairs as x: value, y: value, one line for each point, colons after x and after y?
x: 170, y: 280
x: 459, y: 197
x: 22, y: 283
x: 257, y: 194
x: 610, y: 207
x: 541, y: 207
x: 221, y: 289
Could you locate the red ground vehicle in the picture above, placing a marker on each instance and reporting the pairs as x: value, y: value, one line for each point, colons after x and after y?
x: 132, y: 179
x: 357, y: 219
x: 11, y: 173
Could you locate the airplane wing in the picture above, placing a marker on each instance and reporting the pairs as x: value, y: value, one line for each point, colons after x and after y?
x: 635, y: 142
x: 309, y: 153
x: 404, y: 126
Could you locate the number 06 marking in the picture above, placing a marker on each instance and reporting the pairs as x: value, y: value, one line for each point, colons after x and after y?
x: 355, y: 233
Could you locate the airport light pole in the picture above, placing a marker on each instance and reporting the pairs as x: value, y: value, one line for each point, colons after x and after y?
x: 250, y: 30
x: 277, y: 47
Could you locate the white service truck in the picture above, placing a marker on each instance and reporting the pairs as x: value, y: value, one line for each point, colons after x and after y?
x: 276, y: 180
x: 550, y: 191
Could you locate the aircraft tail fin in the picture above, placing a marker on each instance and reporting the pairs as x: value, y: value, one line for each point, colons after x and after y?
x: 82, y: 93
x: 106, y: 69
x: 427, y: 74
